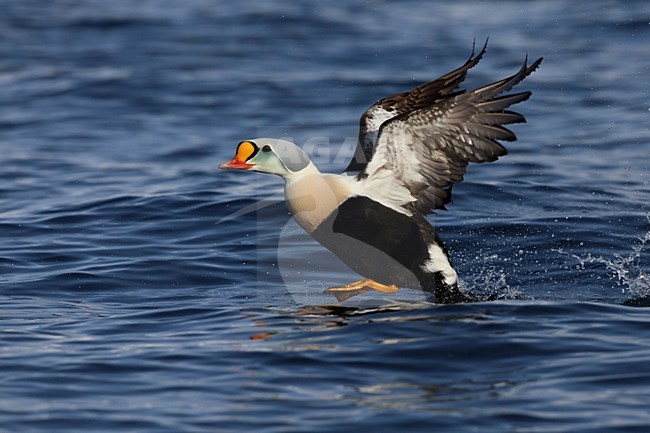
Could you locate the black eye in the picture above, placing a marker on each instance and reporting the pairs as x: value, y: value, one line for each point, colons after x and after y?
x: 266, y: 148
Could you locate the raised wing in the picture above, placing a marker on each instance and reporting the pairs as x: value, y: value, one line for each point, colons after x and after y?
x: 402, y: 103
x: 427, y: 150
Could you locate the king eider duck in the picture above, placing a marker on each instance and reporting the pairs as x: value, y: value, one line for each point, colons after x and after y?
x: 412, y: 148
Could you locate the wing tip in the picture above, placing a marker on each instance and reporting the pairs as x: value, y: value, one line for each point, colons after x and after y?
x: 473, y: 60
x: 483, y: 50
x: 527, y: 70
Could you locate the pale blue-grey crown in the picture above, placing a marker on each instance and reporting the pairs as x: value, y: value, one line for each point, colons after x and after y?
x: 293, y: 157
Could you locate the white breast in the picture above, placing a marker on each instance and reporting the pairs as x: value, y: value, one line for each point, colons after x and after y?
x: 312, y: 196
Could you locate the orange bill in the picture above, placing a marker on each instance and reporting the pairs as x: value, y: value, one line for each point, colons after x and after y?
x: 245, y: 151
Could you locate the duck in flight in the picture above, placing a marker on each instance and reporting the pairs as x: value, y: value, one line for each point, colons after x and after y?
x: 413, y: 147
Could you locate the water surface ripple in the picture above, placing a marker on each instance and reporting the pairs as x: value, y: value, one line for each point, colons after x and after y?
x: 143, y: 290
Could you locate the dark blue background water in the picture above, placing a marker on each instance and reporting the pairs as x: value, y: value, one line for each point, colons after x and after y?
x: 132, y: 300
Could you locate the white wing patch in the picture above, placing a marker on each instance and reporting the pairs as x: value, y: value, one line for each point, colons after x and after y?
x: 406, y: 174
x: 384, y: 188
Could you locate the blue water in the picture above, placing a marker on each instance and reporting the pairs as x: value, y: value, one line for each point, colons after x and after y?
x: 143, y: 290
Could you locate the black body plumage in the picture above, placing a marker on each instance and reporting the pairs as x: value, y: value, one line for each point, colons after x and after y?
x: 385, y: 245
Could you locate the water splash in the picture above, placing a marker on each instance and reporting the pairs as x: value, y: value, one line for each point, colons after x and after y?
x: 488, y: 282
x: 627, y: 270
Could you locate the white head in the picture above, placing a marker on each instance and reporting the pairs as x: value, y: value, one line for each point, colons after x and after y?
x: 268, y: 155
